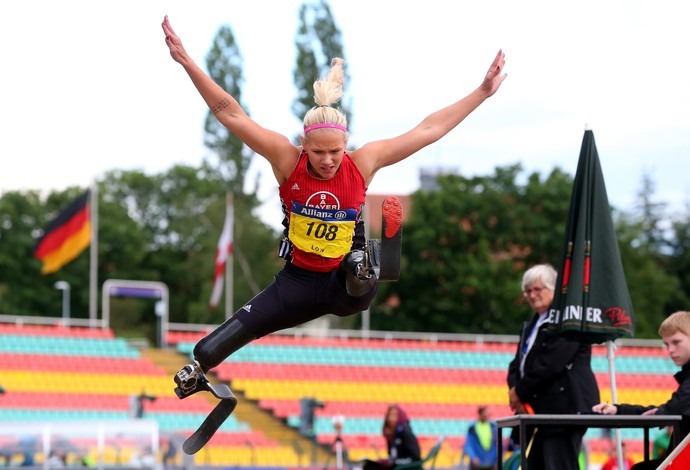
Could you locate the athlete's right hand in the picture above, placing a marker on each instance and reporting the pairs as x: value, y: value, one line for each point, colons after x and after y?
x: 173, y: 42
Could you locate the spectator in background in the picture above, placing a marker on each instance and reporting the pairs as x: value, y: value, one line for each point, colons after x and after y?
x: 143, y: 459
x: 675, y: 334
x: 481, y: 445
x: 552, y: 373
x: 612, y: 462
x: 403, y: 446
x: 170, y: 454
x: 339, y: 449
x: 57, y: 459
x: 28, y: 446
x: 661, y: 443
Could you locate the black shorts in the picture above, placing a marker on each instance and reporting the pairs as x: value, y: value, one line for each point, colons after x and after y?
x: 297, y: 296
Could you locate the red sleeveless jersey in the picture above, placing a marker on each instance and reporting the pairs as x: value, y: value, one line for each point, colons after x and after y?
x: 322, y: 217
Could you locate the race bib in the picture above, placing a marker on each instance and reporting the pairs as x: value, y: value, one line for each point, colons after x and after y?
x: 325, y: 232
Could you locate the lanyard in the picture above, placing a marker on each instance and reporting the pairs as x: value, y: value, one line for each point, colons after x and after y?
x: 529, y: 340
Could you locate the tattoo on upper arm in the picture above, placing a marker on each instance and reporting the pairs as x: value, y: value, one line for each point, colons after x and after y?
x: 224, y: 103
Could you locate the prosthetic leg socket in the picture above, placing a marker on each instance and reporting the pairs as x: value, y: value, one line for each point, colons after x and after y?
x: 359, y: 275
x: 216, y: 346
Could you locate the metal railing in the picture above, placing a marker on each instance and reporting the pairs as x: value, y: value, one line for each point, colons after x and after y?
x: 312, y: 331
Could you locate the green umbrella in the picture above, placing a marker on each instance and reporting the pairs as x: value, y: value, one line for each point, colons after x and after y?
x: 591, y: 300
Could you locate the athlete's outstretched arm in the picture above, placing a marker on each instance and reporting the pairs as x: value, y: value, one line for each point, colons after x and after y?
x: 275, y: 147
x: 376, y: 155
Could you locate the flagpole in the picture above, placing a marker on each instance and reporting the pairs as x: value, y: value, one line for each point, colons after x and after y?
x: 229, y: 293
x: 93, y: 253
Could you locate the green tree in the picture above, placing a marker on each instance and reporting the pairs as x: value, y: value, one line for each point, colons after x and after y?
x: 25, y: 290
x: 679, y: 263
x: 464, y: 251
x: 650, y: 215
x: 161, y: 227
x: 181, y: 214
x: 224, y: 63
x: 254, y: 265
x: 653, y: 257
x: 652, y: 288
x: 465, y: 248
x: 318, y: 41
x: 21, y: 219
x: 171, y: 211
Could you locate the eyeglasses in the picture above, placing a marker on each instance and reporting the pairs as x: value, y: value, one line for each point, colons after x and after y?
x: 533, y: 290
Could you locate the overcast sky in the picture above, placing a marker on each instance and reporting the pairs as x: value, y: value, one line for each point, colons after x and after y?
x: 89, y: 86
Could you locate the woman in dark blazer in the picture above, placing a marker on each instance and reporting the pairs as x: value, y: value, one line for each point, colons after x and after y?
x: 552, y: 374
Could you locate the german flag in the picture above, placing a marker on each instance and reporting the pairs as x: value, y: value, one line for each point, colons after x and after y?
x: 66, y: 236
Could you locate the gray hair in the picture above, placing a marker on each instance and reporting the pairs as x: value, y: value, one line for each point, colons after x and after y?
x: 540, y: 272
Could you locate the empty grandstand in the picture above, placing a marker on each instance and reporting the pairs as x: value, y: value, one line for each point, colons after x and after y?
x: 99, y: 400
